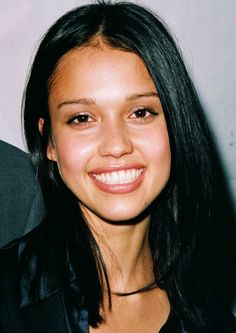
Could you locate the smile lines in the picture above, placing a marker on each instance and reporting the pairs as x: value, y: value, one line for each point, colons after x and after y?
x: 118, y: 177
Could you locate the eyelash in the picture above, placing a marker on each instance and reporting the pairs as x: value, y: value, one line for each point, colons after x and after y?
x: 148, y: 117
x: 145, y: 118
x: 74, y: 120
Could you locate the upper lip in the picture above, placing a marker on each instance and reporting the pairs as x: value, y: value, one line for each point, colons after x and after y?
x: 110, y: 169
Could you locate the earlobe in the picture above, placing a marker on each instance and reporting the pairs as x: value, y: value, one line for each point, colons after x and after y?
x: 50, y: 147
x: 51, y: 151
x: 40, y: 125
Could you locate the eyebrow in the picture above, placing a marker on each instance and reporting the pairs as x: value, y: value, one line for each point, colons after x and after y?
x: 81, y: 101
x: 137, y: 96
x: 91, y: 101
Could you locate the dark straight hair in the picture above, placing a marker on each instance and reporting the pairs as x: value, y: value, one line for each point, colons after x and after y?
x: 189, y: 209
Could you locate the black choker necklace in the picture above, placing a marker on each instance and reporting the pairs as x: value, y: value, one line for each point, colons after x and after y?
x: 148, y: 287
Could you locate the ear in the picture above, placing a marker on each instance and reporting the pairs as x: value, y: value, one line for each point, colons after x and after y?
x: 51, y: 155
x: 40, y: 125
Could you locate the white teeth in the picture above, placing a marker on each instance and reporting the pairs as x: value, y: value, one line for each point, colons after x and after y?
x: 119, y: 177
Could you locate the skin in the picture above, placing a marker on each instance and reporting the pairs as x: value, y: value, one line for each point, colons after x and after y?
x: 106, y: 116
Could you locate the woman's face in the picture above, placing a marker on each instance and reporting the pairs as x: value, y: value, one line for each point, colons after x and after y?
x: 109, y: 134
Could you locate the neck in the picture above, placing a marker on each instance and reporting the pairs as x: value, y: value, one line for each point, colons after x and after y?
x: 126, y: 252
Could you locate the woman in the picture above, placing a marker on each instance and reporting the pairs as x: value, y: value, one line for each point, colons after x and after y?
x: 131, y: 187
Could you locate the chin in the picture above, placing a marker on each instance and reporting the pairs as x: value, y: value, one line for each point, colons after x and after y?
x: 124, y: 217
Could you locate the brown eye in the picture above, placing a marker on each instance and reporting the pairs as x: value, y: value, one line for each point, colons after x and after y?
x: 82, y: 118
x: 142, y: 113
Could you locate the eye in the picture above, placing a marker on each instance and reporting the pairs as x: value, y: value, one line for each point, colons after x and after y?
x: 143, y: 114
x: 81, y: 119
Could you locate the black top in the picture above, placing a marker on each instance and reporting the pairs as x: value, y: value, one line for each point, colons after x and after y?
x: 52, y: 314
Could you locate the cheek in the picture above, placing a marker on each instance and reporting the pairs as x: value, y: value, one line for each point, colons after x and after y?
x: 156, y: 147
x: 162, y: 149
x: 72, y: 155
x: 160, y: 160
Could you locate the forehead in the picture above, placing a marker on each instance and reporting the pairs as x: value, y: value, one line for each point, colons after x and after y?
x: 97, y: 64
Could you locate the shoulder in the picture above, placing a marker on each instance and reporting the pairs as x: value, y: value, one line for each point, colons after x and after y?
x: 21, y: 205
x: 15, y: 167
x: 11, y: 154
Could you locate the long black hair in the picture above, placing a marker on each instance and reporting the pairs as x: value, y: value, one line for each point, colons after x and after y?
x: 188, y: 211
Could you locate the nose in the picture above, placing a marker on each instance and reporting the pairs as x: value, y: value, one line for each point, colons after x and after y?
x: 115, y: 141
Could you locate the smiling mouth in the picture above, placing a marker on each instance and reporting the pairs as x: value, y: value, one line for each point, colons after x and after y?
x: 118, y: 177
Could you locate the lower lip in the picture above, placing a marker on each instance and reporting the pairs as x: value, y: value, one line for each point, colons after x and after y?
x: 119, y: 188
